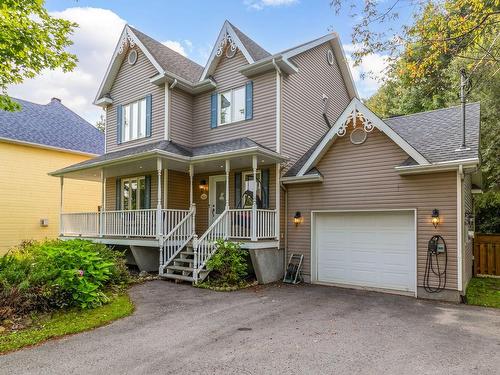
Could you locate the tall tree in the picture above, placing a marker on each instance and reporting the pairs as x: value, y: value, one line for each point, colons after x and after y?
x: 30, y: 41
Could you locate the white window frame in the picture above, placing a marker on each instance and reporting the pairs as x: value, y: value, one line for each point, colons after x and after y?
x: 122, y: 192
x: 134, y: 128
x: 219, y: 107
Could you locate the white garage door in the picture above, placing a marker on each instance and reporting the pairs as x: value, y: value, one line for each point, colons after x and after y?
x: 371, y: 249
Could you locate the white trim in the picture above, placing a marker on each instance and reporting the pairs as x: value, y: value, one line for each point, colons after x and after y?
x: 103, y: 102
x: 47, y: 147
x: 278, y: 110
x: 113, y: 63
x: 330, y: 137
x: 167, y: 113
x: 314, y: 267
x: 116, y: 240
x: 302, y: 179
x: 443, y: 166
x: 138, y: 198
x: 232, y: 104
x: 212, y: 198
x: 250, y: 245
x: 460, y: 222
x: 226, y: 28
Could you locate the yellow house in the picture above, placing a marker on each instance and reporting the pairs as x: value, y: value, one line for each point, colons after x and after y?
x: 34, y: 141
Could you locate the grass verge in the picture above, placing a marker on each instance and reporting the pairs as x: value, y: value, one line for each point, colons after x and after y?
x: 66, y: 322
x: 484, y: 291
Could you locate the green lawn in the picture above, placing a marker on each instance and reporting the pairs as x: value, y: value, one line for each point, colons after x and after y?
x: 66, y: 322
x: 484, y: 291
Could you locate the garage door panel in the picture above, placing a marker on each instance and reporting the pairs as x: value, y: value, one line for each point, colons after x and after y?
x: 375, y: 249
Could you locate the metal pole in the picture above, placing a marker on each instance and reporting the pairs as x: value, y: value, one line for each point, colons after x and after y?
x: 463, y: 82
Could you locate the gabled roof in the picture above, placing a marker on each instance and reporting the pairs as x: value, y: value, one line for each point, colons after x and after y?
x: 251, y: 50
x: 50, y: 125
x: 164, y: 59
x: 437, y: 134
x: 169, y: 59
x: 429, y: 138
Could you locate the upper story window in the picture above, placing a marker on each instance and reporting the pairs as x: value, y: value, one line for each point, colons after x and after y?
x: 134, y: 120
x: 232, y: 106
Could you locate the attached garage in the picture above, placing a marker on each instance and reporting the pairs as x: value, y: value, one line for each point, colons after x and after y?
x: 375, y: 249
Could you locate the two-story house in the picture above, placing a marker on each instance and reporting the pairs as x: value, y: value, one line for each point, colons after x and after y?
x: 275, y: 151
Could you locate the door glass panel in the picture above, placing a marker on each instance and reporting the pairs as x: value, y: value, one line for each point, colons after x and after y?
x: 133, y: 194
x: 126, y: 195
x: 220, y: 196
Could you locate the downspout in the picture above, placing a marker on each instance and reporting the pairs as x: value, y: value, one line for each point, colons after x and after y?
x: 278, y: 106
x: 286, y: 225
x: 460, y: 221
x: 167, y: 108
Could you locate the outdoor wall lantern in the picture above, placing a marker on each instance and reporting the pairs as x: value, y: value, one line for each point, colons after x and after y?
x: 435, y: 217
x: 297, y: 219
x: 203, y: 186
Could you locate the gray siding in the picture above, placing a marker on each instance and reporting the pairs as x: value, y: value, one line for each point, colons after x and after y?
x: 262, y: 128
x: 181, y: 117
x: 132, y: 83
x: 468, y: 251
x: 302, y: 104
x: 363, y: 177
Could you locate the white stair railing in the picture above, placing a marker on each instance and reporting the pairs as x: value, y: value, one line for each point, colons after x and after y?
x: 205, y: 246
x: 175, y: 240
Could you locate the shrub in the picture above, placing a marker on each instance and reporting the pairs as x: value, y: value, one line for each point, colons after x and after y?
x: 40, y: 276
x: 229, y: 263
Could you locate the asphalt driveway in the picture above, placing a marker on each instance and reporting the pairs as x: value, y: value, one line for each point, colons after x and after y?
x: 275, y: 329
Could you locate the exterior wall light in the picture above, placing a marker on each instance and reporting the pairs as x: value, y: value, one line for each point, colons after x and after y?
x: 435, y: 217
x: 203, y: 186
x: 297, y: 219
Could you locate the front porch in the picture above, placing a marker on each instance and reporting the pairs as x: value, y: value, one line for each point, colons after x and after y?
x: 181, y: 207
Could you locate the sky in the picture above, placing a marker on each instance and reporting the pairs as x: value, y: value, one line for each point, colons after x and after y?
x: 190, y: 27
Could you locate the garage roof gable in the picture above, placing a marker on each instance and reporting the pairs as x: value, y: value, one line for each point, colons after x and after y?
x: 356, y: 111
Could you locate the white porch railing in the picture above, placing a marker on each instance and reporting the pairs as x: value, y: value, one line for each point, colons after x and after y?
x: 123, y: 223
x: 241, y: 223
x: 204, y: 247
x: 175, y: 240
x: 134, y: 223
x: 80, y: 224
x: 233, y: 223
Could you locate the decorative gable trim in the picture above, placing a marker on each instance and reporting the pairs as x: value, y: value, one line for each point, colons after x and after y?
x: 127, y: 38
x: 227, y: 35
x: 357, y: 110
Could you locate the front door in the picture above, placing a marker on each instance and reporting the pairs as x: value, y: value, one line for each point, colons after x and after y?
x: 217, y: 196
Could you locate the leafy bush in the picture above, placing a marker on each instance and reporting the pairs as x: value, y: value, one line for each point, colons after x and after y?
x: 39, y: 276
x: 229, y: 263
x: 487, y: 212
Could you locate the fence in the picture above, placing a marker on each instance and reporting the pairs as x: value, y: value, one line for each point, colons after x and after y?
x: 487, y: 254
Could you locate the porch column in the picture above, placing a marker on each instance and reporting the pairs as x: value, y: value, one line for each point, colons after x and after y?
x: 191, y: 177
x: 227, y: 223
x: 278, y: 202
x: 158, y: 200
x: 101, y: 213
x: 61, y: 226
x: 254, y: 200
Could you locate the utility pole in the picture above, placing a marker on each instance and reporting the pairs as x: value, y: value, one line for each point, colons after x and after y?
x: 464, y: 81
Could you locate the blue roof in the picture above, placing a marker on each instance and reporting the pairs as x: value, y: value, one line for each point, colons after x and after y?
x: 53, y: 125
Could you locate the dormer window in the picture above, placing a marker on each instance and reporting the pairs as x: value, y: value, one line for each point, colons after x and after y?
x: 232, y: 106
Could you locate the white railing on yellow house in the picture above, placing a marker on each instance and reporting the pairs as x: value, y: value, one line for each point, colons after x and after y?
x: 80, y: 224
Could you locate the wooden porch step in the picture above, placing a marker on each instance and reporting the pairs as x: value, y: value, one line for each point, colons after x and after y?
x: 176, y: 276
x: 179, y: 268
x: 184, y: 260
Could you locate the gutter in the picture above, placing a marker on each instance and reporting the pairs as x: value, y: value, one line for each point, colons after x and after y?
x: 439, y: 167
x: 183, y: 84
x: 46, y: 147
x: 302, y: 179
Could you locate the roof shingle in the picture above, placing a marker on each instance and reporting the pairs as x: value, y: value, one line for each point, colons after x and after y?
x: 52, y: 125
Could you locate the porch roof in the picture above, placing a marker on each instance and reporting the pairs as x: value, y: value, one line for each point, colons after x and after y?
x: 179, y: 157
